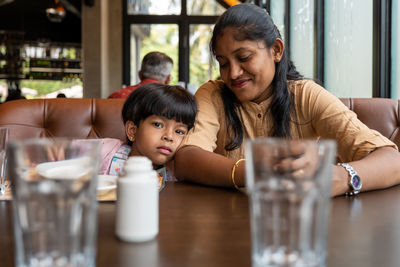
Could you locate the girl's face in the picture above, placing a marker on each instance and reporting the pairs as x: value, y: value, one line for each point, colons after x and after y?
x: 247, y: 67
x: 156, y: 138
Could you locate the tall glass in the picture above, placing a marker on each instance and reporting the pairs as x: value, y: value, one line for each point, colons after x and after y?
x: 289, y: 185
x: 4, y: 185
x: 54, y: 201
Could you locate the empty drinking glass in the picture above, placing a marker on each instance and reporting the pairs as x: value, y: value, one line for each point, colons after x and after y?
x: 289, y: 184
x: 54, y: 201
x: 4, y: 183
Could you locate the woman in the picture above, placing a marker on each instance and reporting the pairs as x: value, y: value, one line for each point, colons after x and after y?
x: 262, y: 94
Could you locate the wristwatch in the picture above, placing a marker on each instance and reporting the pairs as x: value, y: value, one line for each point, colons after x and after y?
x: 355, y: 182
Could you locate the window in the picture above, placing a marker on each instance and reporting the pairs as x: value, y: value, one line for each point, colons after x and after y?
x: 277, y: 12
x: 181, y: 29
x: 153, y: 7
x: 204, y: 8
x: 150, y: 37
x: 342, y: 44
x: 302, y: 36
x: 348, y: 48
x: 395, y: 79
x: 202, y: 64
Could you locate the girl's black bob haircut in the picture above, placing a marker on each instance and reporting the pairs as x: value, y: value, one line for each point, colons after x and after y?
x: 172, y: 102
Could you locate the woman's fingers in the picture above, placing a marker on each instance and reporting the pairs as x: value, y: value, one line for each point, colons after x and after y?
x: 291, y: 165
x: 298, y: 164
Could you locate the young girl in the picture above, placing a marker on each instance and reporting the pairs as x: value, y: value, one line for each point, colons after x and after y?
x: 156, y: 117
x: 261, y: 94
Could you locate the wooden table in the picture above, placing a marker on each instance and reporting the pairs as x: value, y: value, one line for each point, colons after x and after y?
x: 204, y: 226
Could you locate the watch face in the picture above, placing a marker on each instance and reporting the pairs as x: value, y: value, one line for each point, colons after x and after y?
x: 356, y: 182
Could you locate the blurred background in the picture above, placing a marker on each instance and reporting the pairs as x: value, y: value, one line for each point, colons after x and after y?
x: 90, y: 48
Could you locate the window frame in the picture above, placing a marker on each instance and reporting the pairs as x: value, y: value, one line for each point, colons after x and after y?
x: 183, y: 21
x: 382, y: 32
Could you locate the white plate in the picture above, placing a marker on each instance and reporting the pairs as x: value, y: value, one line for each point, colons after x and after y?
x: 64, y: 169
x: 106, y: 183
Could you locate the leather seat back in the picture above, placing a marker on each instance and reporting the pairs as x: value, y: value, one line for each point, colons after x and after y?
x: 381, y: 114
x: 100, y: 118
x: 68, y: 117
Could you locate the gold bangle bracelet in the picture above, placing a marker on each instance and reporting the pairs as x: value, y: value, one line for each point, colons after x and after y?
x: 233, y: 174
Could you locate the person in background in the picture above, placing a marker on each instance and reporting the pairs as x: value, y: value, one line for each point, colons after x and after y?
x: 156, y: 68
x: 14, y: 94
x: 61, y: 95
x: 156, y: 117
x: 261, y: 94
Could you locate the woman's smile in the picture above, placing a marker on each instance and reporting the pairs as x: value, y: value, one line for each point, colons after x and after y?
x: 240, y: 83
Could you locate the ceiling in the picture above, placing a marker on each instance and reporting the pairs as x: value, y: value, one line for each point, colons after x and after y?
x: 30, y: 17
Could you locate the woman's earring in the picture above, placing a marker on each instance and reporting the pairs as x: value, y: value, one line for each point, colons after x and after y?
x: 278, y: 59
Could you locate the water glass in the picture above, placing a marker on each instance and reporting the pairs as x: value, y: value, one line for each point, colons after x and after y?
x: 289, y: 185
x: 4, y: 183
x: 54, y: 201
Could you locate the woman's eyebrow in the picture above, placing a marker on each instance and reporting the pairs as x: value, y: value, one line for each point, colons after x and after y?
x: 238, y: 49
x: 233, y: 52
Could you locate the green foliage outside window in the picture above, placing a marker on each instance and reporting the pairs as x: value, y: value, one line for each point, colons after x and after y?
x: 202, y: 63
x: 163, y: 38
x: 46, y: 87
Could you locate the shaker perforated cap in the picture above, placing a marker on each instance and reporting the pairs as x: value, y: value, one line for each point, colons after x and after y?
x: 138, y: 163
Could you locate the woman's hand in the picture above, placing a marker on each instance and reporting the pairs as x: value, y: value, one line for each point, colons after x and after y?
x: 300, y: 160
x: 379, y: 169
x: 340, y: 181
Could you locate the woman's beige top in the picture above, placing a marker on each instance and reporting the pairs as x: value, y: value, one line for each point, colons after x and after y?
x: 319, y: 114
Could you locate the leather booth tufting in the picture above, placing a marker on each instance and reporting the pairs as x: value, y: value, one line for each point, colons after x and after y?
x: 63, y: 117
x: 100, y: 118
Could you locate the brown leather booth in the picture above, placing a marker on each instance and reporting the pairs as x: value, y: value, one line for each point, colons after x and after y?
x: 99, y: 118
x: 63, y: 117
x: 381, y: 114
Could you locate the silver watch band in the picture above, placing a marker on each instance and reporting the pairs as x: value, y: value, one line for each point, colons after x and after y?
x: 355, y: 182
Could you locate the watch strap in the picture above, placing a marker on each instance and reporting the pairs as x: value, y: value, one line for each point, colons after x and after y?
x: 355, y: 183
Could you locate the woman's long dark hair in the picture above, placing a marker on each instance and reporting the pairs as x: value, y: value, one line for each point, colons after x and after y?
x: 253, y: 23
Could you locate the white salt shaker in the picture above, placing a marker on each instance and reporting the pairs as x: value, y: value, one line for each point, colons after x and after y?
x: 137, y: 201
